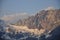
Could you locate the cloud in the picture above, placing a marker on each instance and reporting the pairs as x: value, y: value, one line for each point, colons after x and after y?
x: 26, y: 29
x: 14, y: 16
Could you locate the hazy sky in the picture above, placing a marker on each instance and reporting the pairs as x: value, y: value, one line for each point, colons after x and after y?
x: 28, y: 6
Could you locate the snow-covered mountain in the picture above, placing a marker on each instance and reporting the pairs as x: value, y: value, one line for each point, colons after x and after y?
x: 41, y: 26
x: 46, y: 19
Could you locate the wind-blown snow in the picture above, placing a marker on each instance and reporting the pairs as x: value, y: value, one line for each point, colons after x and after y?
x: 50, y: 8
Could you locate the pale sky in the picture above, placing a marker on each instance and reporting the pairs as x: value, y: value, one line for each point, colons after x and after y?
x: 8, y: 7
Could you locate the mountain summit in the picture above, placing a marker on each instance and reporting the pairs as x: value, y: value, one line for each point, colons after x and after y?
x: 50, y: 8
